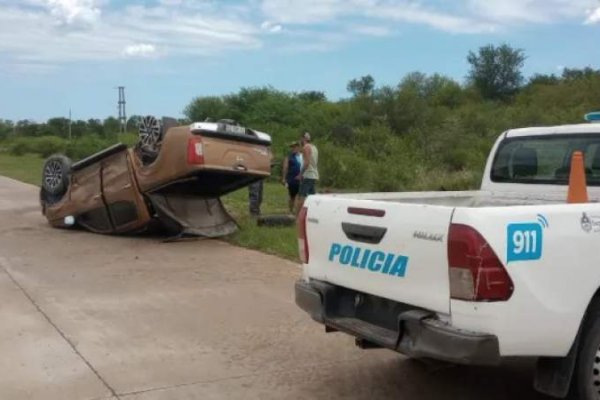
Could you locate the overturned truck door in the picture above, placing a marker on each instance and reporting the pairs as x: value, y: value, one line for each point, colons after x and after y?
x: 190, y: 215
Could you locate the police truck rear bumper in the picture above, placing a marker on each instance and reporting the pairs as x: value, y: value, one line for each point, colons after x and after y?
x: 378, y: 322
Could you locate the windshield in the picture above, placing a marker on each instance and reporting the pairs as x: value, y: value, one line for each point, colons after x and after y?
x: 545, y: 159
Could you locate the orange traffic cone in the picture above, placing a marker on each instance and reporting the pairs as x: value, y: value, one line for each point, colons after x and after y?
x: 577, y: 184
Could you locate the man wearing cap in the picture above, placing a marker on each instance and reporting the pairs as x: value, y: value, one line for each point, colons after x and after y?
x: 292, y: 165
x: 309, y: 174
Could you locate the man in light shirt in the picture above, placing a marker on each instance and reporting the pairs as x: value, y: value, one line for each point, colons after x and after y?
x: 309, y: 174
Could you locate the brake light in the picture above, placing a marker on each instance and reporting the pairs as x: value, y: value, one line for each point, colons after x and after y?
x: 195, y: 153
x: 476, y: 272
x: 302, y: 239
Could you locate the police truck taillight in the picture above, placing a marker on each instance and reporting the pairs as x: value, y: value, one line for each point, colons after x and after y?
x: 195, y: 151
x: 476, y: 272
x: 302, y: 239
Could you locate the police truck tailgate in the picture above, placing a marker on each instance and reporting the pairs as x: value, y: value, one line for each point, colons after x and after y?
x: 392, y: 250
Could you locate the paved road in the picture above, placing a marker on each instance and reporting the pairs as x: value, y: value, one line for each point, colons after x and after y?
x: 84, y: 316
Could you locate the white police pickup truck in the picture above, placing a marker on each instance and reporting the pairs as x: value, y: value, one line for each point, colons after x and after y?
x: 470, y: 277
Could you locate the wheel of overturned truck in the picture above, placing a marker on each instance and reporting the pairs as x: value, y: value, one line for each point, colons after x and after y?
x: 56, y: 176
x: 150, y: 133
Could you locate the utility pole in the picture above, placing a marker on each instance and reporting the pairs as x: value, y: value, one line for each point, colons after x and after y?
x: 122, y: 109
x: 70, y: 123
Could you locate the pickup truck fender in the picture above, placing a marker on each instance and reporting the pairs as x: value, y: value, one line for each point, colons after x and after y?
x: 553, y: 375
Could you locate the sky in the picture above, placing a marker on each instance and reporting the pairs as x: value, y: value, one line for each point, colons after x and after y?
x: 57, y: 55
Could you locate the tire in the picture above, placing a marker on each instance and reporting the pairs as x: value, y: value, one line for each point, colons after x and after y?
x: 276, y: 220
x: 56, y: 176
x: 587, y: 374
x: 150, y: 135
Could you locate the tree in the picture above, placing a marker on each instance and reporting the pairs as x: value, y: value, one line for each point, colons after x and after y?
x: 78, y: 128
x: 133, y: 123
x: 312, y: 96
x: 443, y: 91
x: 362, y: 86
x: 202, y: 108
x: 58, y: 127
x: 95, y: 127
x: 112, y: 126
x: 543, y: 79
x: 6, y: 128
x: 27, y: 128
x: 496, y: 71
x: 578, y: 74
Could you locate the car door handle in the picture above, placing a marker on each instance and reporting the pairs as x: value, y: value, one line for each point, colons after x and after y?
x: 364, y: 233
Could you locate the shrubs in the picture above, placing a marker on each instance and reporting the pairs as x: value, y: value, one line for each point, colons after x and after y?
x: 375, y: 159
x: 44, y: 146
x: 79, y: 148
x: 86, y: 146
x: 18, y: 147
x: 387, y: 164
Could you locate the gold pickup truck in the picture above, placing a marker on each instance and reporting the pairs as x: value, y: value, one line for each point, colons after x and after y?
x: 171, y: 180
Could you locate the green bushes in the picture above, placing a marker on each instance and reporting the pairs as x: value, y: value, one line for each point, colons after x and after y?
x: 425, y: 133
x: 376, y: 161
x: 86, y: 146
x: 43, y: 146
x: 76, y: 149
x: 18, y: 147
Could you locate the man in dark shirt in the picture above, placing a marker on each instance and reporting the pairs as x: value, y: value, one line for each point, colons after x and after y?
x: 291, y: 168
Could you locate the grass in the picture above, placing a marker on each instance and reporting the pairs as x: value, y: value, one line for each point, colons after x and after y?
x: 280, y: 241
x: 27, y: 168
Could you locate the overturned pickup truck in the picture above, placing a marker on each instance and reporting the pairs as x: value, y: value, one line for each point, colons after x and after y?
x: 171, y: 180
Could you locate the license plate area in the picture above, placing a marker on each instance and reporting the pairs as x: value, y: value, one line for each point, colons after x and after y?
x: 347, y: 303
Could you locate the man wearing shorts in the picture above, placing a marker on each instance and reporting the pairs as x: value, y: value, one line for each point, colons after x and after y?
x: 292, y: 165
x: 310, y: 172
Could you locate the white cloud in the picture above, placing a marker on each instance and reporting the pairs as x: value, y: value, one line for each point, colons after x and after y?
x: 508, y: 12
x: 304, y: 11
x: 409, y: 11
x: 416, y: 14
x: 593, y: 16
x: 53, y: 32
x: 143, y: 50
x: 30, y: 34
x: 74, y: 12
x: 270, y: 27
x: 458, y: 16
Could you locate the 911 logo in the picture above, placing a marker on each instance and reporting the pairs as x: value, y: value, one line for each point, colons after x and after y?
x: 526, y: 240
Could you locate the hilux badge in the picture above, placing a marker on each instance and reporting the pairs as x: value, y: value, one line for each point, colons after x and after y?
x: 432, y: 237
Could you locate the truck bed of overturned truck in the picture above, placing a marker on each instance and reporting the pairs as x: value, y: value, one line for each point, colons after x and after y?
x: 171, y: 180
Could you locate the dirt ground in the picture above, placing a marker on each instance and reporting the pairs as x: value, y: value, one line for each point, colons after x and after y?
x: 85, y: 316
